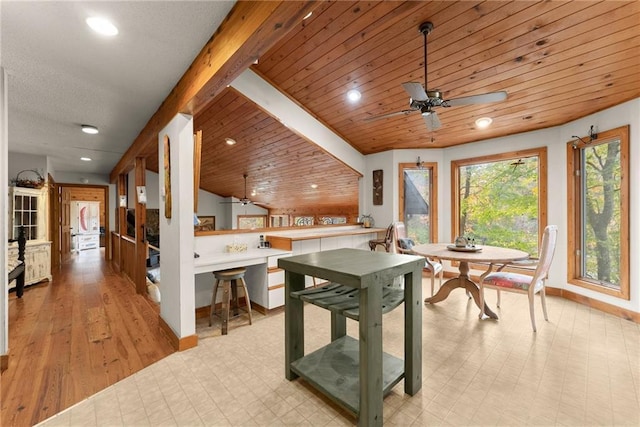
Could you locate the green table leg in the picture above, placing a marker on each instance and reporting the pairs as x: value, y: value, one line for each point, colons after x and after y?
x: 338, y: 326
x: 293, y: 322
x: 370, y: 325
x: 413, y: 332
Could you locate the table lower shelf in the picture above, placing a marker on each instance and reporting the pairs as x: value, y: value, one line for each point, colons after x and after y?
x: 335, y: 370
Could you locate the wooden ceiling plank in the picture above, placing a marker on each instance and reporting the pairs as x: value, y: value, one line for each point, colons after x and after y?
x: 375, y: 42
x: 355, y: 42
x: 250, y: 27
x: 414, y: 56
x: 289, y: 44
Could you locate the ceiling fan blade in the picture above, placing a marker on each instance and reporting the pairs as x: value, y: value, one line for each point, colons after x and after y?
x: 415, y: 91
x: 431, y: 120
x: 386, y: 116
x: 477, y: 99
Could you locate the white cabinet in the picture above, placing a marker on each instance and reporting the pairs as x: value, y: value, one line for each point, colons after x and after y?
x: 37, y: 260
x: 275, y: 282
x: 28, y: 209
x: 88, y: 241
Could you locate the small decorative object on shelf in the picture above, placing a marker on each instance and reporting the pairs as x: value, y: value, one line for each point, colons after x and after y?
x: 28, y: 178
x: 367, y: 221
x: 237, y: 247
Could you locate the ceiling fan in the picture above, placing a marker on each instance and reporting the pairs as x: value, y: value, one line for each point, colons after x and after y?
x: 244, y: 201
x: 425, y: 100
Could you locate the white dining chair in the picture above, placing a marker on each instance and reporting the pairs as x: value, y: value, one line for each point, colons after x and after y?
x: 403, y: 246
x: 523, y: 283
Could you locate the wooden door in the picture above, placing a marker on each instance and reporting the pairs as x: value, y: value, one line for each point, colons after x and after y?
x: 65, y: 222
x: 54, y: 222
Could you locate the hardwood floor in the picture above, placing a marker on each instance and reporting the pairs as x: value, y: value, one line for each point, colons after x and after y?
x: 74, y: 336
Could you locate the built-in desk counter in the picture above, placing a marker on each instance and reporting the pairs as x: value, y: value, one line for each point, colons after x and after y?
x: 214, y: 261
x: 264, y: 280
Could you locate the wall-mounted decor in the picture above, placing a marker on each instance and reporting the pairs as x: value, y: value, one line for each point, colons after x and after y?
x: 197, y: 158
x: 167, y: 177
x: 377, y: 187
x: 207, y: 223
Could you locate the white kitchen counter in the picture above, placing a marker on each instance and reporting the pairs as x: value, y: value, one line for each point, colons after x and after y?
x: 264, y: 280
x: 214, y: 261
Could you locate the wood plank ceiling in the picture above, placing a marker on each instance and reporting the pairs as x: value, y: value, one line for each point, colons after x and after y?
x: 558, y: 61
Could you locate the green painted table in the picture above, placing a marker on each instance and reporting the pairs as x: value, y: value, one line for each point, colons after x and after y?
x: 355, y: 373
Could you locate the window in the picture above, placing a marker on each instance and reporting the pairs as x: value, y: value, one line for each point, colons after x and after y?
x: 418, y: 195
x: 303, y: 220
x: 279, y: 220
x: 599, y: 213
x: 500, y: 200
x: 328, y: 220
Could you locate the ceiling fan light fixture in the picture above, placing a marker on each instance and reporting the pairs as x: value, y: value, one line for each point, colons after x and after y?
x: 91, y: 130
x: 484, y: 122
x: 230, y: 141
x: 102, y: 26
x: 354, y: 95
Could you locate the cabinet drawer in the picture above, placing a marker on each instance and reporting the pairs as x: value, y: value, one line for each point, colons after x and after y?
x: 276, y: 277
x: 272, y: 261
x: 88, y: 241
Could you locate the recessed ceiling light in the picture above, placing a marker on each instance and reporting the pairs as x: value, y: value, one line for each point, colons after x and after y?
x: 85, y: 159
x: 308, y: 15
x: 314, y: 186
x: 102, y: 26
x: 230, y: 141
x: 354, y: 95
x: 92, y: 130
x: 484, y: 122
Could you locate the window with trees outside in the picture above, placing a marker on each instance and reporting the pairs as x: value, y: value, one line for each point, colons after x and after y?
x: 500, y: 200
x: 598, y: 242
x: 418, y: 195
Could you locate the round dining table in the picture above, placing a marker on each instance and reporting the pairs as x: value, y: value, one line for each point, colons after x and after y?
x: 491, y: 255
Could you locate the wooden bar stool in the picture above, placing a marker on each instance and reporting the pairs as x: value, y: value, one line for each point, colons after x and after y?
x: 229, y: 279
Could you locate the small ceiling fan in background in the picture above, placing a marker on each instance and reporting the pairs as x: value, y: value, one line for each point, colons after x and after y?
x: 425, y: 100
x: 244, y: 201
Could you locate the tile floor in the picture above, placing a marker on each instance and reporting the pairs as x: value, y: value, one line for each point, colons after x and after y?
x: 581, y: 368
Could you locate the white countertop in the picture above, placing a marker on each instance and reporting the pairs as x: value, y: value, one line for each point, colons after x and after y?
x: 213, y: 261
x: 319, y: 233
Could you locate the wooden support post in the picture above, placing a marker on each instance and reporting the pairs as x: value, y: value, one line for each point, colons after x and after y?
x: 122, y: 218
x: 141, y: 239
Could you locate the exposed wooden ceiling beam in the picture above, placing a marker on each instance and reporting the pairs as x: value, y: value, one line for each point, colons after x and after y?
x: 250, y: 29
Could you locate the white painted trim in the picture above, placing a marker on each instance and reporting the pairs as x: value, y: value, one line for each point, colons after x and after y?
x: 297, y: 119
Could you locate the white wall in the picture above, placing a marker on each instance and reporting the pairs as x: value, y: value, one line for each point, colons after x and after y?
x: 555, y: 139
x: 20, y: 161
x: 209, y: 204
x: 80, y: 178
x: 4, y: 207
